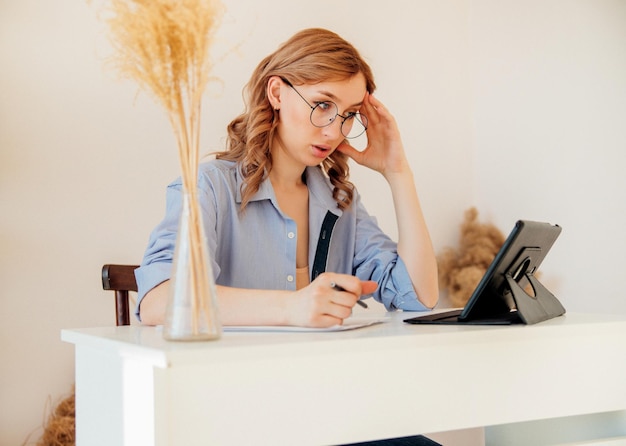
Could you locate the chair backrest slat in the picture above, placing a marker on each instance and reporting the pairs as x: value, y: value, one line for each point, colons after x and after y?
x: 121, y: 279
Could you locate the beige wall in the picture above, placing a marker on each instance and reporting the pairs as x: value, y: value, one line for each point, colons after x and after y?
x: 84, y: 160
x: 549, y: 113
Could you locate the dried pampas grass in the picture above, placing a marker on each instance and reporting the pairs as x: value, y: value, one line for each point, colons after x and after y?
x: 59, y: 428
x: 164, y: 46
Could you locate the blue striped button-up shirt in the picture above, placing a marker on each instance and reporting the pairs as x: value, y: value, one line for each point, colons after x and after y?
x: 256, y: 248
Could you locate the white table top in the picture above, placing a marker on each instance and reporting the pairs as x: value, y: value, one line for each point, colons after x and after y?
x: 148, y: 342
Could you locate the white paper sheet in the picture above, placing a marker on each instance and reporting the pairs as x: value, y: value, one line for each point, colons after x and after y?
x: 349, y: 324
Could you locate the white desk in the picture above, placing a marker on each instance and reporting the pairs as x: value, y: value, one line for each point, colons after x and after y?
x: 388, y: 380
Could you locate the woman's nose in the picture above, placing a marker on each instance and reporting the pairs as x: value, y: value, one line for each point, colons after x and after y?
x: 333, y: 130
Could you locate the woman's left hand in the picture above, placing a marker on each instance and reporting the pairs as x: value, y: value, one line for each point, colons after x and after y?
x: 384, y: 151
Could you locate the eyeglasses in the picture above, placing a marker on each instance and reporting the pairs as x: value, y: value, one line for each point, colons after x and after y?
x: 324, y: 113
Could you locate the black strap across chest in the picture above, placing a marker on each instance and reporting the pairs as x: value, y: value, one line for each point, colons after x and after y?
x: 323, y: 245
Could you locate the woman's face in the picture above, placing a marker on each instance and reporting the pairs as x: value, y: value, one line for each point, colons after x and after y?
x: 299, y: 139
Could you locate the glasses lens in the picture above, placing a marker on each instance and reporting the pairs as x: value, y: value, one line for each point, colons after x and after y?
x: 323, y: 114
x: 354, y: 126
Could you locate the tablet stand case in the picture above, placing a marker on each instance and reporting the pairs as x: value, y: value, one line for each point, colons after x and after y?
x: 496, y: 310
x: 532, y: 309
x: 501, y: 297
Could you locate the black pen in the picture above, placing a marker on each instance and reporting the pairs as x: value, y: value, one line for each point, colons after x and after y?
x: 334, y: 286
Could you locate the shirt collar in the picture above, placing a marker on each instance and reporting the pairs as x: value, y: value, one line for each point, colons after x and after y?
x: 265, y: 192
x: 320, y: 190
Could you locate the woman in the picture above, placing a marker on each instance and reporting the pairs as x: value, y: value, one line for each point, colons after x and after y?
x: 281, y: 217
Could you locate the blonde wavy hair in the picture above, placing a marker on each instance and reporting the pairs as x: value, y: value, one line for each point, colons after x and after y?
x: 309, y: 57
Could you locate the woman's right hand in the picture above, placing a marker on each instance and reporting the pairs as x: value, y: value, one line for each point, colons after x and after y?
x: 321, y: 305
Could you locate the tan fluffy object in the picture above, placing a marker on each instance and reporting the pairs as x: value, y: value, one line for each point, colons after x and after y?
x: 60, y: 429
x: 461, y: 270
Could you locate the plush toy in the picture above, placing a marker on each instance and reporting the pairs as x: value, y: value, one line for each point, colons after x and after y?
x: 461, y: 270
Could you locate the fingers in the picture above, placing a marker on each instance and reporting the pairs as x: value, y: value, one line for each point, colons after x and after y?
x: 350, y: 151
x: 368, y: 287
x: 334, y: 296
x: 355, y: 286
x: 348, y: 290
x: 372, y: 107
x: 369, y: 109
x: 376, y: 111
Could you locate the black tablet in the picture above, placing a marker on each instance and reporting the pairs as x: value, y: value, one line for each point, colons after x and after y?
x: 509, y: 292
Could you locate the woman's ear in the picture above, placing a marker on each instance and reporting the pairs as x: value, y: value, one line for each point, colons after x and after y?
x: 274, y: 85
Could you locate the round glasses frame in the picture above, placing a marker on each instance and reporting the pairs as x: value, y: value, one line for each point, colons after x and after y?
x: 328, y: 116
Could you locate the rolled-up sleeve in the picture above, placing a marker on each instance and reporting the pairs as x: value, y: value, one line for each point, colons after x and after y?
x: 156, y: 266
x: 397, y: 289
x: 376, y: 258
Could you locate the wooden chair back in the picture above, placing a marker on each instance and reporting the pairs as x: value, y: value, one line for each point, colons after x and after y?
x: 121, y: 279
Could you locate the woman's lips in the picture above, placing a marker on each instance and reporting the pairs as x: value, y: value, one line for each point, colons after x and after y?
x: 321, y: 151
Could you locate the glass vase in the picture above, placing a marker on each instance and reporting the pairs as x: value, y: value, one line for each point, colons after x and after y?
x: 192, y: 313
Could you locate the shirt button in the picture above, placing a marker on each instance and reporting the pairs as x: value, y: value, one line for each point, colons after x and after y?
x: 289, y: 278
x: 291, y: 235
